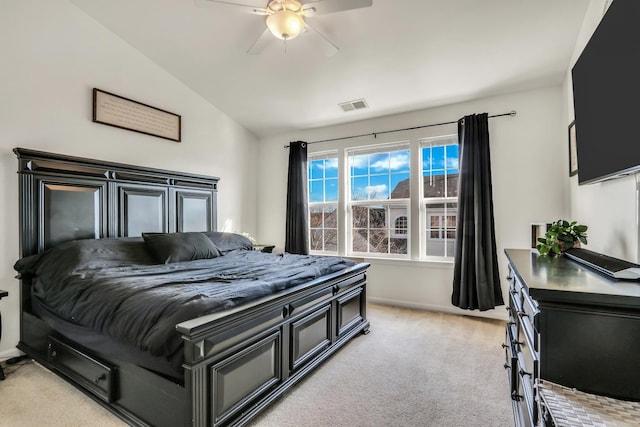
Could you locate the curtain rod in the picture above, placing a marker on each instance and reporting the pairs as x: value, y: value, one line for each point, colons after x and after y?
x: 375, y: 134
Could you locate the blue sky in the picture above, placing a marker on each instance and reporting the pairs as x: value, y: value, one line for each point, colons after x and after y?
x: 374, y: 176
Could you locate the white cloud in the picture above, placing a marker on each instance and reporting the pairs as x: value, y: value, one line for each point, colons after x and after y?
x: 377, y: 190
x: 330, y: 164
x: 396, y: 161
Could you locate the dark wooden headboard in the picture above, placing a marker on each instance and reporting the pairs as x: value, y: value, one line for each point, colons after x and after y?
x: 66, y: 198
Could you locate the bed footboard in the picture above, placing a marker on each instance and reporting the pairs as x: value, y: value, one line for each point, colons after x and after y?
x: 238, y: 362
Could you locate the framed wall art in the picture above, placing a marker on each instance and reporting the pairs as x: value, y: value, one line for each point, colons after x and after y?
x: 114, y: 110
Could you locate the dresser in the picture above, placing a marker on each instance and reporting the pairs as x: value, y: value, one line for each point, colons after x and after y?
x: 571, y: 326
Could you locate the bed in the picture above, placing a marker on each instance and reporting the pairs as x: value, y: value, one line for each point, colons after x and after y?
x: 130, y: 293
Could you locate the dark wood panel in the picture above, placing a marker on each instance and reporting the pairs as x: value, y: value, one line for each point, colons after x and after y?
x: 70, y: 211
x: 142, y: 210
x: 603, y: 343
x: 310, y: 336
x: 245, y: 375
x: 350, y: 311
x: 194, y: 211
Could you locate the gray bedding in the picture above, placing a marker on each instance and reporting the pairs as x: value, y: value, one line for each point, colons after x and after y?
x: 115, y: 287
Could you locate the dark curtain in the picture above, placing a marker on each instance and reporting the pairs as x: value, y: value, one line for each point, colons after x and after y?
x: 297, y: 229
x: 476, y: 281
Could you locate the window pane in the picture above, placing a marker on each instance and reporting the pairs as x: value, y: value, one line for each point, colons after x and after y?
x: 360, y: 217
x: 379, y: 163
x: 331, y: 190
x: 315, y: 238
x: 441, y: 229
x: 316, y: 191
x: 316, y: 169
x: 398, y: 246
x: 331, y: 168
x: 378, y: 188
x: 359, y: 188
x: 399, y: 161
x: 437, y: 158
x: 400, y: 185
x: 452, y: 157
x: 377, y: 217
x: 315, y: 217
x: 434, y: 186
x: 360, y: 241
x: 378, y: 241
x: 331, y: 240
x: 359, y: 165
x: 452, y: 184
x: 330, y: 217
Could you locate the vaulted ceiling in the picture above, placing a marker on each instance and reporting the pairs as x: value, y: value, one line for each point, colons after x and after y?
x: 399, y: 55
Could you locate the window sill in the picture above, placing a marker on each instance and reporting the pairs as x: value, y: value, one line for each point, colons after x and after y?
x: 423, y: 263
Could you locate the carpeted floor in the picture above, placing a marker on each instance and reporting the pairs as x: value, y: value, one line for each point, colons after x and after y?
x: 415, y: 368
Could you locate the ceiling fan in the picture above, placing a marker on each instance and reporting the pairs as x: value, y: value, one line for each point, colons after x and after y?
x: 286, y: 19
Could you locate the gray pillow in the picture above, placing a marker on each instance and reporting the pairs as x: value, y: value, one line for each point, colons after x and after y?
x: 228, y: 242
x: 178, y: 247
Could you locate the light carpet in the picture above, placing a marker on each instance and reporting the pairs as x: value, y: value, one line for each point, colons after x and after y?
x: 415, y: 368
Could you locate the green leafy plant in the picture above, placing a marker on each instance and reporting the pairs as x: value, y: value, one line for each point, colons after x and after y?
x: 562, y: 235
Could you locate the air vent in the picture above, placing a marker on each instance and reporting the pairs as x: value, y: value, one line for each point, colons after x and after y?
x: 358, y: 104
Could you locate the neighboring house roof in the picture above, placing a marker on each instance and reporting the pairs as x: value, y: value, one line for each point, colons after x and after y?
x: 433, y: 186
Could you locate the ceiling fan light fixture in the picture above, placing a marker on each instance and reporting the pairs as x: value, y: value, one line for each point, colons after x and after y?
x: 285, y: 24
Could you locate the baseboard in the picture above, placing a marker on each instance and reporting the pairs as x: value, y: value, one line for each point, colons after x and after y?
x: 8, y: 354
x: 489, y: 314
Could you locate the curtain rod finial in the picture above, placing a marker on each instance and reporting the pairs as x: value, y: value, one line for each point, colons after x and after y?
x: 512, y: 113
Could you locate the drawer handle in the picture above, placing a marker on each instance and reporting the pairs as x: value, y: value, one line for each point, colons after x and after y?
x: 523, y: 373
x: 102, y: 377
x: 507, y: 366
x: 515, y: 396
x: 523, y: 314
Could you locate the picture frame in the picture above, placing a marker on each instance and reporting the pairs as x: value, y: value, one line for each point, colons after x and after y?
x: 117, y: 111
x: 573, y: 153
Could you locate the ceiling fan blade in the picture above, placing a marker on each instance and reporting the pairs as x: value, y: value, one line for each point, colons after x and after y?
x: 251, y: 8
x: 320, y: 7
x: 260, y: 42
x: 318, y: 38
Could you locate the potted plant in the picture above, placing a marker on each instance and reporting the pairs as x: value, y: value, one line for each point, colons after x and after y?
x: 562, y: 235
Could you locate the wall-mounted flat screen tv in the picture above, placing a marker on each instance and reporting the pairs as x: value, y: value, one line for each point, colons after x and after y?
x: 606, y: 96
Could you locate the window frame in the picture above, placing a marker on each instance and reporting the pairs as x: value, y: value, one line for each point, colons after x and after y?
x: 426, y: 229
x: 388, y: 203
x: 323, y: 155
x: 414, y: 207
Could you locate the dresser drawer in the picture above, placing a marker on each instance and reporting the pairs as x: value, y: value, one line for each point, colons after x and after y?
x: 92, y: 373
x: 511, y: 359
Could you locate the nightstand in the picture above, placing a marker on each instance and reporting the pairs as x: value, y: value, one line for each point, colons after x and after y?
x: 3, y: 294
x: 263, y: 248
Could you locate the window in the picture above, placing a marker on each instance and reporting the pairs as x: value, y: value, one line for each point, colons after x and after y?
x: 440, y: 195
x: 401, y: 225
x: 364, y: 201
x: 323, y: 202
x: 379, y: 194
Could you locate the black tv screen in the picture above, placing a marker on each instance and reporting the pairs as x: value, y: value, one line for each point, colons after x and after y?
x: 606, y: 96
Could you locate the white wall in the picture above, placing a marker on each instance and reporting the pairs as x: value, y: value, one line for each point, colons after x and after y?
x: 609, y: 208
x: 529, y: 181
x: 52, y: 55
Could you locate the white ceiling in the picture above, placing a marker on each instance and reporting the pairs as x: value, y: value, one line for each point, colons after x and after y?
x: 400, y: 55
